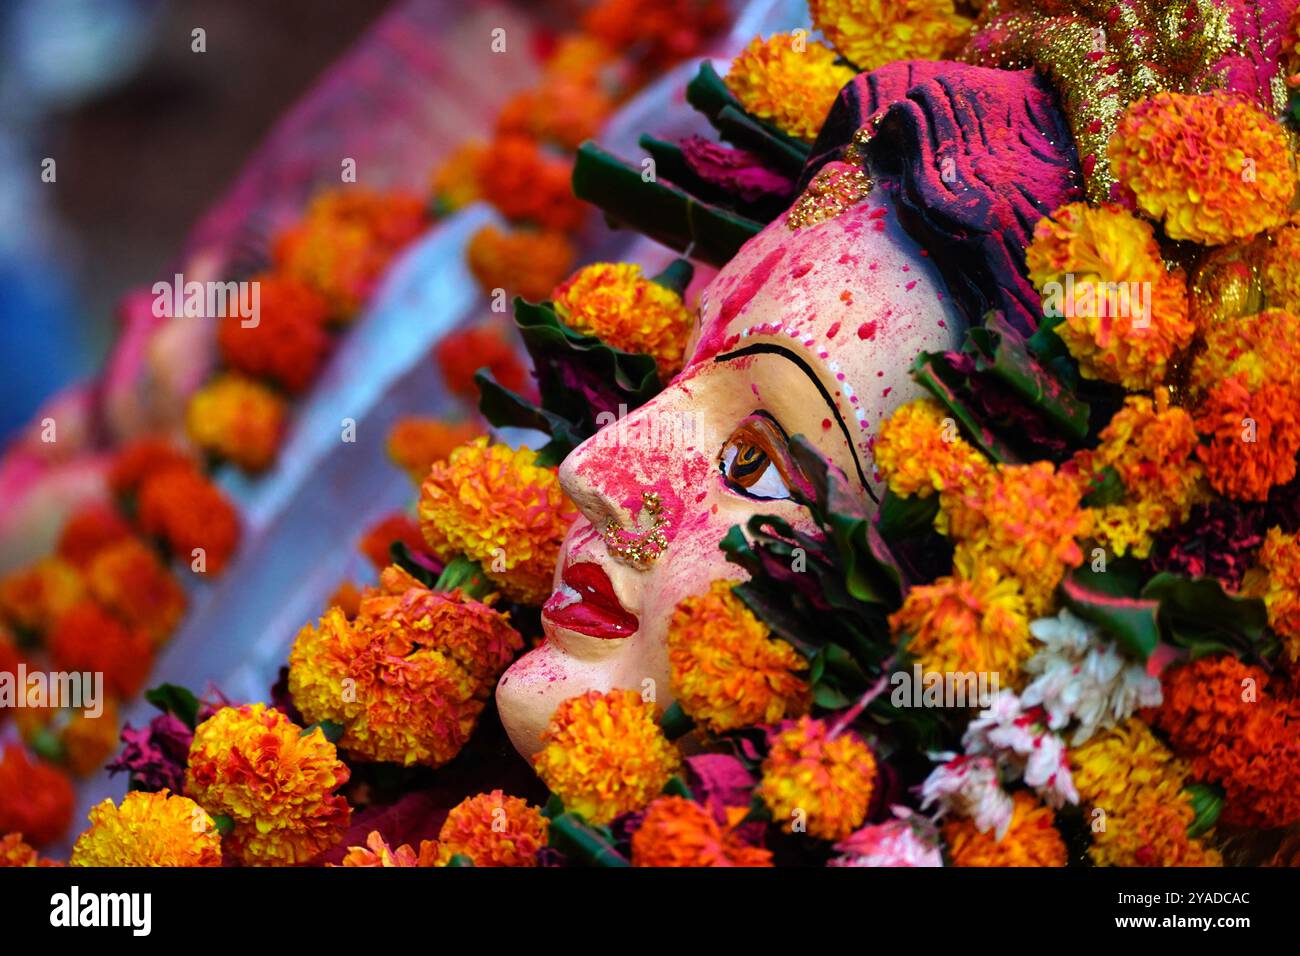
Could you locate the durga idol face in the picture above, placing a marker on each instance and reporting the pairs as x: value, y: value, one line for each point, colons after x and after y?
x: 808, y: 331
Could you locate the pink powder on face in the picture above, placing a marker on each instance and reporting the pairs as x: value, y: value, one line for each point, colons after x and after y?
x: 910, y: 286
x: 867, y: 331
x: 801, y: 270
x: 826, y: 424
x: 833, y: 330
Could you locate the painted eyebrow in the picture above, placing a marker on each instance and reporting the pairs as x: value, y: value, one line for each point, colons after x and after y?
x: 770, y: 348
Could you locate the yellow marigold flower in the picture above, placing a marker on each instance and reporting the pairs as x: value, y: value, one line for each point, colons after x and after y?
x: 238, y: 419
x: 1100, y: 269
x: 149, y: 829
x: 34, y: 597
x: 789, y: 81
x: 919, y: 450
x: 493, y: 830
x: 826, y: 781
x: 604, y: 755
x: 414, y: 444
x: 377, y: 853
x: 455, y: 180
x: 677, y: 832
x: 1031, y: 840
x: 871, y: 33
x: 276, y: 784
x: 497, y: 506
x: 1021, y: 521
x: 1281, y: 270
x: 15, y: 852
x: 1134, y: 779
x: 1259, y: 348
x: 522, y: 261
x: 1280, y: 559
x: 971, y: 621
x: 727, y: 670
x: 1212, y: 167
x: 616, y: 303
x: 1151, y: 447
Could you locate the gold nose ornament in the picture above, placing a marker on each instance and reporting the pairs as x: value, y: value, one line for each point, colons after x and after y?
x: 642, y: 548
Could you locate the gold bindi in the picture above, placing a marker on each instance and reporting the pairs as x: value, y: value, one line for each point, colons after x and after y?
x: 640, y: 549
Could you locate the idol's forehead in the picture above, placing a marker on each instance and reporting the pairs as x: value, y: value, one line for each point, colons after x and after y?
x: 853, y: 282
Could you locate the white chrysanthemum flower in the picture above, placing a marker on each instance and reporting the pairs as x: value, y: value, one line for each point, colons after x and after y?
x: 1018, y: 739
x: 1079, y: 676
x: 969, y: 787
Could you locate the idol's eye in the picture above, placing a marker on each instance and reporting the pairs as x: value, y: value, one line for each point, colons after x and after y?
x: 755, y: 461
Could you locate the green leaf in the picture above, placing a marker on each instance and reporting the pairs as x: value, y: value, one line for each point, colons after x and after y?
x: 1207, y: 801
x: 1129, y: 620
x: 708, y: 93
x: 506, y: 409
x: 676, y: 787
x: 224, y: 823
x: 460, y: 859
x: 1197, y: 614
x: 935, y: 373
x: 675, y: 722
x: 675, y: 277
x: 467, y: 575
x: 902, y: 516
x: 175, y: 700
x: 659, y: 210
x: 583, y: 843
x: 1108, y: 489
x: 331, y: 729
x: 401, y: 556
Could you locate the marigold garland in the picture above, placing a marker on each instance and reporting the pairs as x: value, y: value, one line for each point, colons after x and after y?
x: 497, y: 506
x: 678, y: 832
x: 604, y: 755
x: 522, y: 261
x: 492, y: 829
x: 276, y: 784
x: 89, y: 530
x: 36, y: 799
x: 818, y: 778
x: 188, y: 512
x: 414, y: 444
x: 88, y: 638
x: 130, y: 580
x: 14, y: 853
x: 239, y: 419
x: 288, y: 342
x: 1031, y: 840
x: 462, y: 353
x: 727, y: 670
x: 1253, y: 437
x: 149, y: 829
x: 1211, y: 167
x: 616, y: 303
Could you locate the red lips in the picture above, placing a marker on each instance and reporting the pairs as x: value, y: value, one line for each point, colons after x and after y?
x: 587, y: 604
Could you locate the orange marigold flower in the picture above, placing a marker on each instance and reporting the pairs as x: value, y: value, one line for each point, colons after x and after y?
x: 142, y: 459
x: 581, y: 83
x: 346, y: 241
x: 414, y: 444
x: 1281, y: 270
x: 497, y: 506
x: 971, y: 621
x: 727, y: 670
x: 462, y: 353
x: 377, y: 853
x: 521, y: 261
x: 14, y: 852
x: 493, y: 830
x: 1280, y: 559
x: 789, y: 81
x: 1031, y: 840
x: 149, y: 829
x: 1125, y: 314
x: 871, y: 33
x: 89, y: 741
x: 88, y: 530
x: 660, y: 32
x: 1151, y: 447
x: 824, y: 779
x: 919, y: 450
x: 419, y: 665
x: 289, y: 341
x: 530, y: 185
x: 678, y: 832
x: 604, y: 755
x: 1253, y: 437
x: 237, y: 419
x: 87, y: 638
x: 33, y: 598
x: 616, y: 303
x: 1211, y: 167
x: 1137, y: 783
x: 1260, y: 348
x: 1021, y: 521
x: 1223, y: 715
x: 379, y: 537
x: 455, y: 180
x: 130, y: 580
x: 190, y: 514
x: 275, y: 782
x: 347, y: 598
x: 35, y: 798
